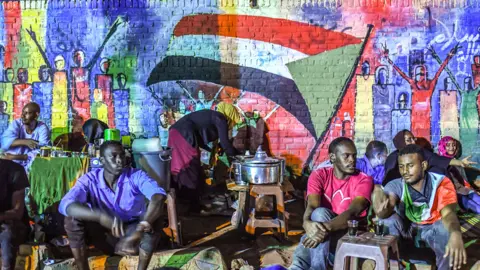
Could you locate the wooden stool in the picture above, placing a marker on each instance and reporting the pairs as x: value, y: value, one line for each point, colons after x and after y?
x: 368, y: 246
x: 281, y: 222
x: 173, y: 223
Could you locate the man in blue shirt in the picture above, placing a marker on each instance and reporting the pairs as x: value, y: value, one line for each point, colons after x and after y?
x: 24, y: 135
x: 111, y: 202
x: 372, y: 164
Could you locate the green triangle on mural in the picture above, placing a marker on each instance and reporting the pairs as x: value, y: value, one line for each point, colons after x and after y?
x: 321, y: 78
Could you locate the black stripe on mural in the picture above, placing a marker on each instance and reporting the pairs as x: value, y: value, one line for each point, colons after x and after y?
x: 280, y: 90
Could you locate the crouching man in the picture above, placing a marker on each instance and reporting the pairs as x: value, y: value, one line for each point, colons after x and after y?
x: 109, y: 204
x: 424, y: 202
x: 335, y: 195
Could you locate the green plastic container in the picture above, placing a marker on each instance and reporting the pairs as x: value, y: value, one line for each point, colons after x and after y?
x: 112, y: 135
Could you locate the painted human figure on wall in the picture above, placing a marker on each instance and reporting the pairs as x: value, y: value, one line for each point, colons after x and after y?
x: 3, y: 116
x: 60, y: 97
x: 99, y: 108
x: 476, y: 71
x: 22, y: 92
x: 469, y: 113
x: 401, y: 116
x: 347, y: 129
x: 2, y: 60
x: 80, y: 78
x: 401, y: 61
x: 42, y: 93
x: 60, y: 89
x: 121, y: 97
x: 6, y: 90
x: 422, y: 90
x: 383, y: 96
x: 363, y: 107
x: 449, y: 110
x: 104, y: 82
x: 200, y: 102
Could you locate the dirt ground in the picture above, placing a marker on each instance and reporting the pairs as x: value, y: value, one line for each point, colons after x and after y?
x: 234, y: 244
x: 265, y: 248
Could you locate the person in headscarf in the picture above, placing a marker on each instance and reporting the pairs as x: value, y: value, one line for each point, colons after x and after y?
x: 192, y: 132
x: 93, y: 129
x: 230, y: 112
x: 436, y: 163
x: 467, y: 197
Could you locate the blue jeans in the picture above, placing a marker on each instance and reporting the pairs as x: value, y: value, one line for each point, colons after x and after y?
x: 317, y: 257
x: 470, y: 202
x: 435, y: 235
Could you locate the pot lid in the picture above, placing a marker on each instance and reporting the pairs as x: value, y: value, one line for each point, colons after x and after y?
x: 260, y: 157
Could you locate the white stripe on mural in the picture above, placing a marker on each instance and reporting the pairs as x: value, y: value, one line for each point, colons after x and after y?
x: 243, y: 52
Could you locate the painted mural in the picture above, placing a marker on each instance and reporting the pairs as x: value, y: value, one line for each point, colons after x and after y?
x: 310, y: 71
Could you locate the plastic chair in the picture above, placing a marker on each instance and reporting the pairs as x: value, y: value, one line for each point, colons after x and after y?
x: 369, y: 246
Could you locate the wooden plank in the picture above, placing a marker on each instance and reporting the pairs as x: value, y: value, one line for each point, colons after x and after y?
x: 212, y: 236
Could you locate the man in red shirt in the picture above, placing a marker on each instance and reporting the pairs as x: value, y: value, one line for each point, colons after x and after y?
x: 335, y: 195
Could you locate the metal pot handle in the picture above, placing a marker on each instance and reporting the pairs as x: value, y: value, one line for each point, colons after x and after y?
x: 282, y: 170
x: 234, y: 166
x: 167, y: 159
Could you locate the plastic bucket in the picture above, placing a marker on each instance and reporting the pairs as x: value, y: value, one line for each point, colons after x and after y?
x: 156, y: 164
x: 112, y: 135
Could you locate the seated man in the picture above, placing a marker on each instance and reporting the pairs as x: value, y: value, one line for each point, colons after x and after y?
x: 24, y: 135
x: 422, y: 201
x: 13, y: 221
x: 372, y: 164
x: 335, y: 195
x: 113, y: 197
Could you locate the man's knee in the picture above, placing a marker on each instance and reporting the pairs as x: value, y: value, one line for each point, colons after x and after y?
x: 322, y: 214
x: 150, y: 240
x: 6, y: 233
x: 75, y: 229
x: 6, y: 245
x: 394, y: 224
x: 440, y: 234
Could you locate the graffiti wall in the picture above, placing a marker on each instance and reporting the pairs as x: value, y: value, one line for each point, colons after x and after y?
x: 310, y: 71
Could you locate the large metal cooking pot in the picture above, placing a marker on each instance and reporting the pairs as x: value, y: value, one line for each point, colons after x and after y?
x: 258, y: 170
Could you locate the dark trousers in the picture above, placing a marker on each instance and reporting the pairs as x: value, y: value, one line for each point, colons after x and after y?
x: 12, y: 234
x: 81, y: 232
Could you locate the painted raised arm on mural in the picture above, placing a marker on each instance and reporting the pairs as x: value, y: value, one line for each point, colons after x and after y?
x: 110, y: 33
x: 449, y: 72
x: 186, y: 91
x: 402, y: 74
x: 33, y: 36
x: 445, y: 63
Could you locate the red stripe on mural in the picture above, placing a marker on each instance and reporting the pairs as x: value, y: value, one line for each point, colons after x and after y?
x: 302, y: 37
x: 13, y: 22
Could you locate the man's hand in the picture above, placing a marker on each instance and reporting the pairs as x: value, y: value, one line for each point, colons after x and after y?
x: 129, y: 245
x: 113, y: 223
x: 467, y: 163
x: 379, y: 200
x: 464, y: 163
x: 32, y: 144
x: 316, y: 231
x: 456, y: 250
x: 309, y: 243
x: 385, y: 50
